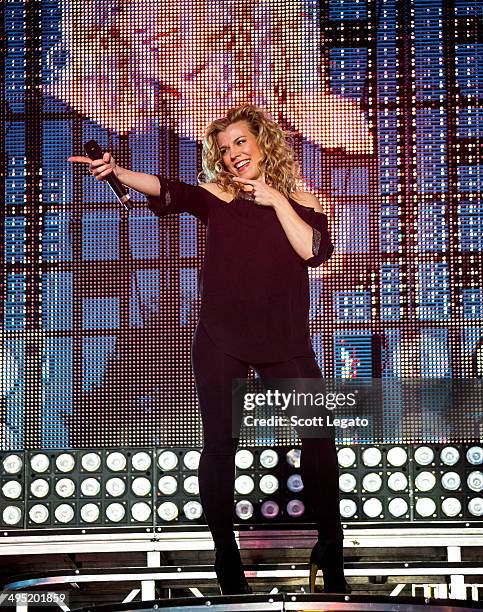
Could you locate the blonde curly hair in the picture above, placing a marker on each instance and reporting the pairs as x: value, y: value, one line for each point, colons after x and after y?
x: 282, y: 171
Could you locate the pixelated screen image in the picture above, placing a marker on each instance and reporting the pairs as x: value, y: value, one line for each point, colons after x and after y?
x: 383, y: 100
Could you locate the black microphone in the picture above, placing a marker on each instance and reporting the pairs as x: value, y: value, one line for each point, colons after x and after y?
x: 94, y: 151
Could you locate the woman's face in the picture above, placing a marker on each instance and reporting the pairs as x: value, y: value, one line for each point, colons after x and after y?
x: 239, y: 150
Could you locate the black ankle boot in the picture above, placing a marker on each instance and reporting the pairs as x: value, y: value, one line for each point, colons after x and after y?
x: 328, y: 556
x: 229, y: 571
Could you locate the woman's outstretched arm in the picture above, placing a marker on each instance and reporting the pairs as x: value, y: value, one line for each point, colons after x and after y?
x: 139, y: 181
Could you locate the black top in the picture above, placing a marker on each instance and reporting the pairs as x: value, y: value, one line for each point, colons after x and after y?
x: 254, y: 286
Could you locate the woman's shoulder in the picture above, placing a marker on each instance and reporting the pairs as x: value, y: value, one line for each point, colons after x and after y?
x: 307, y: 199
x: 215, y: 190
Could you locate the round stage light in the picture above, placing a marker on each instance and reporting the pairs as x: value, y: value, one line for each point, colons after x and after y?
x: 89, y: 513
x: 65, y: 462
x: 268, y: 484
x: 141, y: 512
x: 451, y: 481
x: 191, y: 485
x: 294, y: 483
x: 397, y: 456
x: 91, y: 462
x: 397, y: 481
x: 12, y: 489
x: 372, y: 482
x: 141, y: 461
x: 191, y: 459
x: 192, y: 510
x: 398, y: 507
x: 64, y: 513
x: 475, y: 481
x: 90, y: 487
x: 116, y: 462
x: 65, y: 487
x: 425, y: 481
x: 425, y: 506
x: 167, y: 460
x: 451, y: 506
x: 347, y: 508
x: 12, y: 515
x: 115, y: 512
x: 141, y: 486
x: 295, y: 508
x: 475, y: 506
x: 449, y: 455
x: 424, y: 455
x: 168, y: 511
x: 244, y: 509
x: 347, y: 482
x: 39, y: 514
x: 168, y: 485
x: 39, y: 487
x: 12, y: 464
x: 39, y: 463
x: 346, y: 457
x: 293, y: 458
x: 115, y: 487
x: 475, y: 455
x: 270, y: 509
x: 244, y: 484
x: 371, y: 456
x: 372, y: 507
x: 268, y: 458
x: 244, y: 459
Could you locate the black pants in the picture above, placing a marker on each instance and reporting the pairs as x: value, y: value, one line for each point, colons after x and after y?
x: 214, y: 371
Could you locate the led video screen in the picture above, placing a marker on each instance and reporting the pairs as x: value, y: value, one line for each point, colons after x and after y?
x: 383, y: 101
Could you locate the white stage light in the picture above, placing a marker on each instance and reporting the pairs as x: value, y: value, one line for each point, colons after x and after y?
x: 244, y: 459
x: 168, y: 485
x: 371, y: 456
x: 425, y: 506
x: 90, y: 487
x: 397, y: 481
x: 12, y: 464
x: 39, y: 463
x: 449, y: 455
x: 268, y: 484
x: 65, y: 462
x: 12, y: 489
x: 244, y: 484
x: 167, y: 461
x: 346, y: 457
x: 397, y: 456
x: 141, y: 461
x: 268, y: 458
x: 39, y: 487
x: 39, y: 514
x: 141, y: 512
x: 116, y: 462
x: 89, y: 513
x: 65, y: 487
x: 91, y: 462
x: 115, y: 512
x: 141, y: 486
x: 115, y: 487
x: 64, y: 513
x: 451, y: 481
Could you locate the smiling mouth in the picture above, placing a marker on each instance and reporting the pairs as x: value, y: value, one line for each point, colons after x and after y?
x: 243, y: 165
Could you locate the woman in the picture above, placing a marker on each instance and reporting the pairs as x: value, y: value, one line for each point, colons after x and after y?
x: 262, y: 236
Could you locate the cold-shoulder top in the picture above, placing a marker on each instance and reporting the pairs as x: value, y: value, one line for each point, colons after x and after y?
x: 254, y: 286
